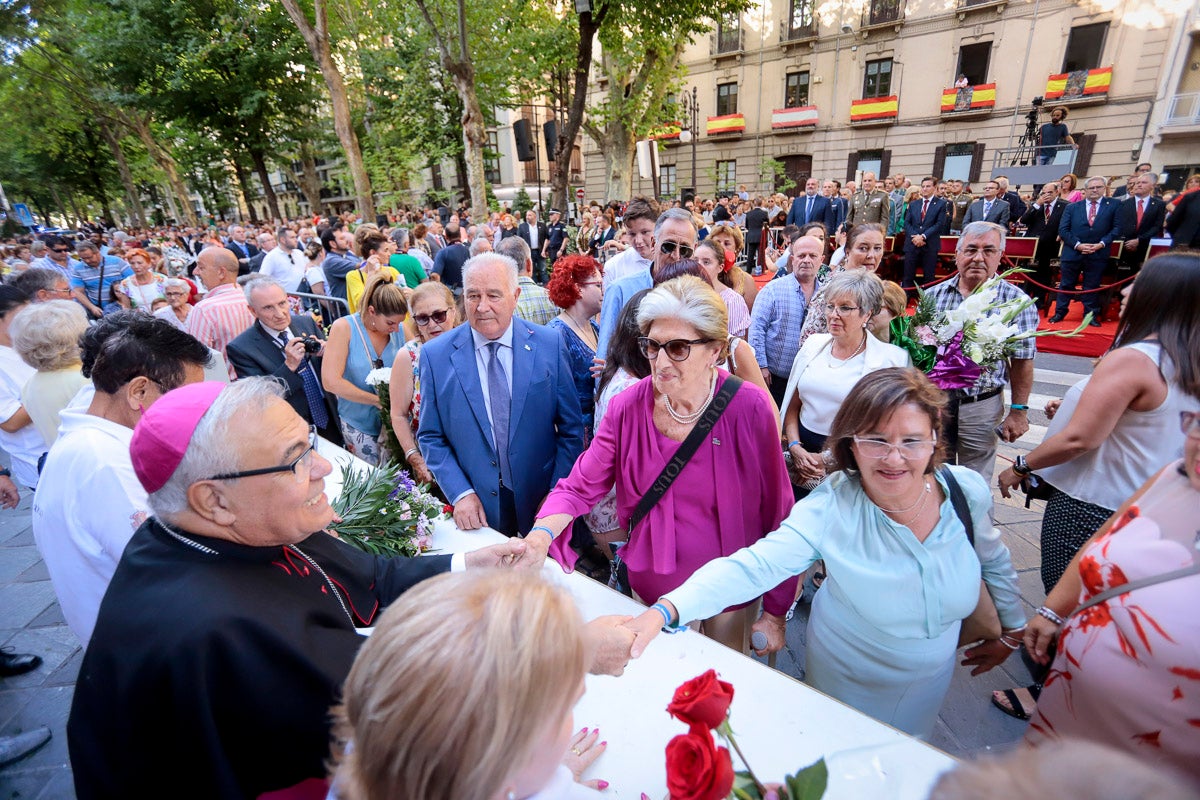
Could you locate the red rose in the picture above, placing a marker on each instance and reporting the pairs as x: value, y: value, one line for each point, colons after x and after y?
x: 704, y: 700
x: 696, y: 768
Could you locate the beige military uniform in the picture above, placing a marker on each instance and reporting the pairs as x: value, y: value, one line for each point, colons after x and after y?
x: 959, y: 205
x: 872, y: 207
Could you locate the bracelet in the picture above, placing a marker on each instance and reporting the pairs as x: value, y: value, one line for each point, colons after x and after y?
x: 408, y: 453
x: 666, y: 614
x: 793, y: 444
x: 1050, y: 614
x: 1004, y: 641
x: 1018, y: 407
x: 5, y: 472
x: 547, y: 531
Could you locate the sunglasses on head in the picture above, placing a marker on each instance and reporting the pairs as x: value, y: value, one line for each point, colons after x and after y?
x: 437, y: 316
x: 668, y: 248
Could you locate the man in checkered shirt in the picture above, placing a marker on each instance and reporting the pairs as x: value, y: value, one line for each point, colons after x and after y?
x: 972, y: 442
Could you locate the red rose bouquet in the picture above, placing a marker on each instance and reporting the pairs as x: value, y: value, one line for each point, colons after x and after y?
x: 699, y: 770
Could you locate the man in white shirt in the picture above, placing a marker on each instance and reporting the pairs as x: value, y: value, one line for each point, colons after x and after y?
x: 286, y: 263
x: 640, y: 216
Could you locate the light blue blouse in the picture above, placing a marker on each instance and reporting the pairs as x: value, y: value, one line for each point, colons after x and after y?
x: 903, y: 588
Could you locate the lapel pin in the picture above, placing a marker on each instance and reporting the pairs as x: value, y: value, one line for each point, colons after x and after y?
x: 716, y: 440
x: 527, y: 347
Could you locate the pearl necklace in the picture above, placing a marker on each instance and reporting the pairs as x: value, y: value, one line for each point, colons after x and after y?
x: 688, y: 419
x: 844, y: 361
x: 920, y: 501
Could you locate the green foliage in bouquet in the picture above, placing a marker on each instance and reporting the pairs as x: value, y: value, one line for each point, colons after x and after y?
x: 384, y: 512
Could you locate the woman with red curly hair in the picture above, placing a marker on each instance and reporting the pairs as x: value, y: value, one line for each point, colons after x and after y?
x: 144, y: 286
x: 576, y: 286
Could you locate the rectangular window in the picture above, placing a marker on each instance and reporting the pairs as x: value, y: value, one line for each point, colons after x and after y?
x: 666, y: 180
x: 973, y: 62
x: 491, y: 159
x: 878, y: 80
x: 958, y: 161
x: 795, y: 91
x: 871, y: 161
x: 729, y: 34
x: 884, y: 11
x: 1085, y: 46
x: 802, y: 22
x: 727, y: 99
x: 726, y: 176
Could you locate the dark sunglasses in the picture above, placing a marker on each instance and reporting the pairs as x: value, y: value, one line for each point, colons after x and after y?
x: 437, y: 316
x: 668, y: 248
x: 677, y: 349
x: 61, y: 249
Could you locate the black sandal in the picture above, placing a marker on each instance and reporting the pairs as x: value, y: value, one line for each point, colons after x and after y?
x: 1017, y: 709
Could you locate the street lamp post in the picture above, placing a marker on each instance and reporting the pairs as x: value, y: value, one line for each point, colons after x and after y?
x: 691, y: 128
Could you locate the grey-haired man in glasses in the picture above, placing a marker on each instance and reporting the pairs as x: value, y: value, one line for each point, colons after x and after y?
x: 674, y: 240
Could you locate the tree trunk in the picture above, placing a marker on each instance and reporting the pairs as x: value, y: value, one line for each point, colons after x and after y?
x: 618, y: 148
x: 131, y: 190
x: 173, y: 209
x: 80, y: 218
x: 92, y: 170
x: 264, y: 177
x: 58, y: 203
x: 559, y: 178
x: 309, y: 180
x: 316, y: 36
x: 244, y: 183
x: 474, y: 142
x: 165, y: 162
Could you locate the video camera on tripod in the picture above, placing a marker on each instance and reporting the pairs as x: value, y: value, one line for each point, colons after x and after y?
x: 1027, y: 146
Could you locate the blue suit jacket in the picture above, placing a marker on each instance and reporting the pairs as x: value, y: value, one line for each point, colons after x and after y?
x: 1074, y: 228
x: 822, y: 211
x: 839, y: 209
x: 937, y: 218
x: 545, y: 430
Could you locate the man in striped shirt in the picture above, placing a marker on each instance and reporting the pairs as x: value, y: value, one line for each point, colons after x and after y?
x: 223, y: 314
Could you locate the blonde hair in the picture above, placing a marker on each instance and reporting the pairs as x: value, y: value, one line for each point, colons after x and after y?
x: 46, y: 335
x: 383, y: 296
x: 430, y: 290
x: 425, y: 721
x: 729, y: 228
x: 894, y: 298
x: 690, y: 300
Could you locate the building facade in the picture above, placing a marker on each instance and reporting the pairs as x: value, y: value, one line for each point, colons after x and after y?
x: 944, y: 87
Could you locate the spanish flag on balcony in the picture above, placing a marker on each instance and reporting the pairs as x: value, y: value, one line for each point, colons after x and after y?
x: 971, y: 98
x: 1082, y: 83
x: 667, y: 130
x: 730, y: 123
x: 799, y: 117
x: 875, y: 108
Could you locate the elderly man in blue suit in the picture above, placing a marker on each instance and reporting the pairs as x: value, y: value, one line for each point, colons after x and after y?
x: 924, y: 220
x: 500, y: 419
x: 812, y: 206
x: 1087, y: 231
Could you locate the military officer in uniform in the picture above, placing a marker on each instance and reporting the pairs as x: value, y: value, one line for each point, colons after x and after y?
x: 556, y: 237
x: 870, y: 204
x: 960, y: 201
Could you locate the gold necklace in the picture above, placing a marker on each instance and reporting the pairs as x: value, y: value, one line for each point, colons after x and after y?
x: 590, y: 341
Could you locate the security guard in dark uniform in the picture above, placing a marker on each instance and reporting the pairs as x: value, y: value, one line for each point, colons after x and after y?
x: 556, y: 237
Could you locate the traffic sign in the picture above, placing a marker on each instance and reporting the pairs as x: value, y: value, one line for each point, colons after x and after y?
x: 579, y: 194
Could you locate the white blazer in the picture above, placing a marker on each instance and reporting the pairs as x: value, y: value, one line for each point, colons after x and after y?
x: 878, y: 355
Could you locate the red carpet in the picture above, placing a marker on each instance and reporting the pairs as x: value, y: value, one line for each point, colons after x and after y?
x: 1093, y: 342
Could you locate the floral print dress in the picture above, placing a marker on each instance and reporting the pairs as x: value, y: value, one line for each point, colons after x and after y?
x: 1127, y: 671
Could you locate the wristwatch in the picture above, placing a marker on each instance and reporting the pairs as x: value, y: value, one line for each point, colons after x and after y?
x: 1020, y: 467
x: 5, y: 473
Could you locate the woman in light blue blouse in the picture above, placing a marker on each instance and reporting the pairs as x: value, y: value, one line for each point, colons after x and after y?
x: 902, y: 575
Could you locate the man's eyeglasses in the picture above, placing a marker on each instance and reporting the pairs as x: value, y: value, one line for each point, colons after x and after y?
x: 437, y: 316
x: 677, y: 349
x: 304, y: 459
x: 668, y: 248
x: 1189, y: 423
x: 988, y: 252
x: 880, y: 448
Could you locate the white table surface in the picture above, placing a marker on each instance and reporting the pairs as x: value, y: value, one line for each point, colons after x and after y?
x: 781, y: 724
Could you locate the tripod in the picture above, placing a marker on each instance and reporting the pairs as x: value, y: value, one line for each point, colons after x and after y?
x: 1027, y: 147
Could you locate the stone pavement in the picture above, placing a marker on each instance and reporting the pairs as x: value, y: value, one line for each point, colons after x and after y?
x: 31, y: 622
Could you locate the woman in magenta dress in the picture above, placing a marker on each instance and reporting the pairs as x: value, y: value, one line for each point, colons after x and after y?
x: 1127, y: 671
x: 729, y: 495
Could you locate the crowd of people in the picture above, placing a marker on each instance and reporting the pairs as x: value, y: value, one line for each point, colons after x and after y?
x: 551, y: 382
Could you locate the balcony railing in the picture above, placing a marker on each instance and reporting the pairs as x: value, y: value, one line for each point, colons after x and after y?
x: 1183, y: 109
x: 793, y: 29
x: 883, y: 12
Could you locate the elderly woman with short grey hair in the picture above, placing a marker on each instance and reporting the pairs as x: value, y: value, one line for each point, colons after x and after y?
x: 827, y: 368
x: 697, y: 518
x: 178, y: 308
x: 46, y: 336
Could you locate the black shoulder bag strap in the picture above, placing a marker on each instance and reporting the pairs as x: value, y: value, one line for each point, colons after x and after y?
x: 686, y: 450
x: 959, y: 501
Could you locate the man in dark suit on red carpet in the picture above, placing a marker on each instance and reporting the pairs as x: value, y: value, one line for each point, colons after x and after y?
x: 924, y: 220
x: 1041, y: 221
x: 1140, y: 219
x: 1087, y: 230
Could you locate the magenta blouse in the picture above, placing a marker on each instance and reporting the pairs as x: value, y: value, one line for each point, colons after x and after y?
x: 732, y: 492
